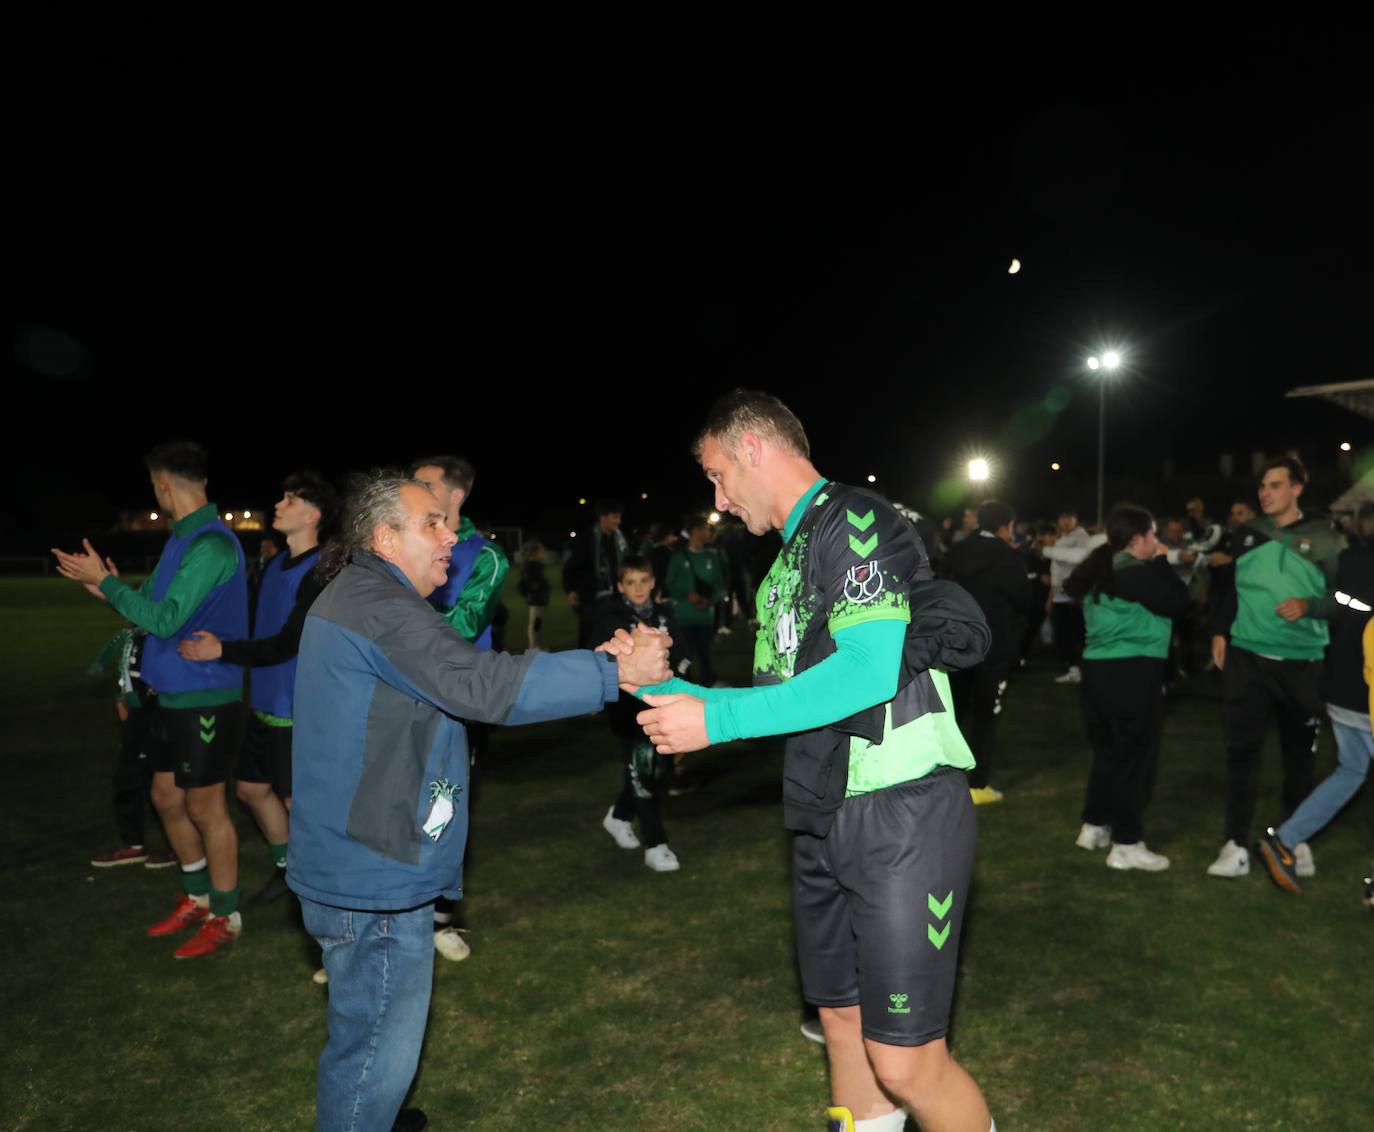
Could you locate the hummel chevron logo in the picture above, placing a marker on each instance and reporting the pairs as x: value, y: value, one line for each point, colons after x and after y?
x: 207, y: 728
x: 937, y: 938
x: 863, y: 524
x: 863, y: 549
x: 939, y: 910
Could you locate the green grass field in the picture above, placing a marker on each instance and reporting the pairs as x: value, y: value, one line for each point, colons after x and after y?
x: 601, y: 996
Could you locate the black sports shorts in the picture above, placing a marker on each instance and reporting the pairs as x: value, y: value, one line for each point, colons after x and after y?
x: 266, y: 755
x: 878, y: 902
x: 196, y: 743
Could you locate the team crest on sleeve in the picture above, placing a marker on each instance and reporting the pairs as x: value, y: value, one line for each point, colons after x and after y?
x: 863, y: 583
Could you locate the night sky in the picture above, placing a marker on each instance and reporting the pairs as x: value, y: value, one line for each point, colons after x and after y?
x: 548, y: 248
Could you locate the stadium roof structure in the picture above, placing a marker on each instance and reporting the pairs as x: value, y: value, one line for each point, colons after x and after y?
x: 1357, y: 396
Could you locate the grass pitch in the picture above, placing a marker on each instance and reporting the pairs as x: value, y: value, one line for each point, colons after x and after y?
x: 600, y: 995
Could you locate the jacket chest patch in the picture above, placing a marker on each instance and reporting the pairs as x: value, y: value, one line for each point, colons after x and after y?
x: 442, y: 794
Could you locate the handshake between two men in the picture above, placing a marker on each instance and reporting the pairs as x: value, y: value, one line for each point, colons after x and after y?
x: 675, y: 723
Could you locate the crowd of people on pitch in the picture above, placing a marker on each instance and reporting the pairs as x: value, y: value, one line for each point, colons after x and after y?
x: 1276, y: 602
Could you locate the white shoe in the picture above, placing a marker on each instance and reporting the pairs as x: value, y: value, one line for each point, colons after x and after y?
x: 622, y: 831
x: 1303, y: 864
x: 320, y: 978
x: 1136, y: 856
x: 1093, y: 837
x: 1232, y: 861
x: 661, y: 859
x: 451, y: 945
x: 1072, y: 676
x: 813, y: 1031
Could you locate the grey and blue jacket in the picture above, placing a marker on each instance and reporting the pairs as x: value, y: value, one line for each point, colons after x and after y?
x: 379, y: 815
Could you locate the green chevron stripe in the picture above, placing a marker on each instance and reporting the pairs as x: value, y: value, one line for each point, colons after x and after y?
x: 938, y: 909
x: 208, y: 721
x: 937, y: 938
x: 863, y: 549
x: 864, y: 523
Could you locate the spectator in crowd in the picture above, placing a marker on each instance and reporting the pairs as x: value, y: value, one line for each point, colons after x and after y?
x: 663, y: 540
x: 469, y: 600
x: 135, y: 760
x: 1221, y: 567
x: 534, y: 588
x: 995, y: 576
x: 968, y: 523
x: 644, y: 771
x: 1272, y: 639
x: 1129, y: 597
x: 288, y: 589
x: 1184, y: 560
x: 1345, y: 688
x: 696, y: 584
x: 1037, y: 568
x: 591, y: 568
x: 200, y: 582
x: 1202, y: 534
x: 1071, y: 547
x: 381, y: 771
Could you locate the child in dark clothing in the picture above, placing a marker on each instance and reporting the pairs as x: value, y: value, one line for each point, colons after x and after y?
x: 644, y: 770
x: 534, y: 588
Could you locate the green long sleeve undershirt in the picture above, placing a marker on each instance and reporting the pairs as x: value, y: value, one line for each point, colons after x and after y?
x: 476, y: 605
x: 207, y: 563
x: 860, y: 673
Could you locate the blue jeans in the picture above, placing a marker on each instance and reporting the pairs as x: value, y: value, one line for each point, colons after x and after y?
x: 381, y: 967
x: 1354, y: 749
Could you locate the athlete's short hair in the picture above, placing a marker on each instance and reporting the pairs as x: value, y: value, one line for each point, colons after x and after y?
x: 751, y: 410
x: 315, y: 490
x: 1297, y: 474
x: 633, y: 562
x: 182, y: 458
x: 1068, y: 509
x: 458, y: 473
x: 993, y: 515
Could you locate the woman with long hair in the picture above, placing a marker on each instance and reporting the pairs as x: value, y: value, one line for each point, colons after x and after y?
x: 1129, y: 596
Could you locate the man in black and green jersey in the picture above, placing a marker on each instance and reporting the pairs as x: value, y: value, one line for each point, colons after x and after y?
x: 1275, y: 620
x: 853, y: 634
x: 199, y: 583
x: 286, y: 591
x: 468, y: 600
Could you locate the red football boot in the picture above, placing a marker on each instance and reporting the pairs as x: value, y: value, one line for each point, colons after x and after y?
x: 215, y: 933
x: 184, y: 915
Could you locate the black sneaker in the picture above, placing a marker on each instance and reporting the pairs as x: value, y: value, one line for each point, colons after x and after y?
x: 1280, y: 862
x: 272, y: 890
x: 410, y: 1120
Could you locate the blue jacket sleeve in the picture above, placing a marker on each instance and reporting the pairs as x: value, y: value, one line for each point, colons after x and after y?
x: 562, y: 684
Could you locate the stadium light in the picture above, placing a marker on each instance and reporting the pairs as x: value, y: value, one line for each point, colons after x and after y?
x: 1345, y: 446
x: 248, y: 514
x: 713, y: 517
x: 872, y: 479
x: 572, y: 534
x: 978, y: 469
x: 1111, y: 360
x: 582, y: 503
x: 228, y: 516
x: 643, y: 495
x: 1054, y: 467
x: 153, y: 516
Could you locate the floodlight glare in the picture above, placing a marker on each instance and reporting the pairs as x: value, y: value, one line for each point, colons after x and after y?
x: 228, y: 516
x: 582, y: 503
x: 1054, y: 467
x: 1111, y: 359
x: 872, y: 479
x: 248, y: 514
x: 978, y: 469
x: 713, y: 517
x: 1345, y: 446
x: 1093, y: 363
x: 153, y: 516
x: 643, y: 495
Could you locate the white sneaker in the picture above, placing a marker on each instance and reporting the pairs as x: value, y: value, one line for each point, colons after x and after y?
x: 1232, y: 861
x: 1136, y: 856
x: 813, y: 1031
x: 661, y: 859
x: 1093, y: 837
x: 320, y: 978
x: 451, y: 945
x: 622, y: 831
x: 1072, y: 676
x: 1303, y: 864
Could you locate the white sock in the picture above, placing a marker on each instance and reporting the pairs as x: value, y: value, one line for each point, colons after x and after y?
x: 992, y: 1127
x: 893, y: 1121
x: 196, y: 866
x: 443, y: 919
x: 235, y: 922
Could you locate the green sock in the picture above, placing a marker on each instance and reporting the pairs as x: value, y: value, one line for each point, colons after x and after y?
x: 278, y: 854
x: 196, y: 882
x: 223, y: 903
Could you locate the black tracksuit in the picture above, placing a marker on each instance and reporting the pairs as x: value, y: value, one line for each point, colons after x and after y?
x: 643, y: 771
x: 994, y: 574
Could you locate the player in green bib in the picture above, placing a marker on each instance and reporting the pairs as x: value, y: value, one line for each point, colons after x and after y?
x: 854, y: 637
